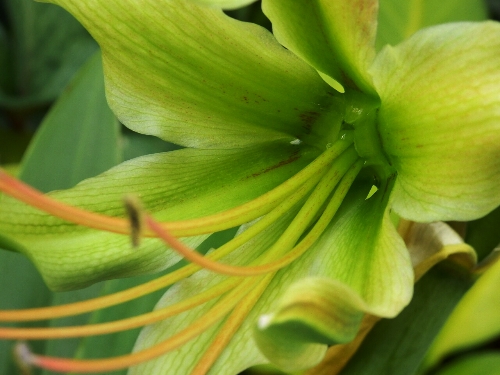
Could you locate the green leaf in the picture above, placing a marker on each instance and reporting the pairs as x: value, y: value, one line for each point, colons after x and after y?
x: 22, y: 285
x: 48, y: 47
x: 175, y: 185
x: 398, y: 346
x: 213, y: 83
x: 439, y: 122
x: 336, y: 37
x: 475, y: 320
x: 5, y: 63
x: 398, y: 20
x: 12, y: 146
x: 483, y: 234
x: 484, y: 363
x: 79, y: 123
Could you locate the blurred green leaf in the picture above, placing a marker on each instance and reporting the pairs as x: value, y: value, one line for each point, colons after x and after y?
x: 47, y: 46
x: 5, y: 67
x: 78, y: 138
x: 135, y: 145
x: 475, y: 320
x: 262, y: 370
x: 486, y: 363
x: 21, y: 287
x: 12, y: 146
x: 68, y: 347
x: 398, y: 19
x: 484, y: 234
x: 398, y: 346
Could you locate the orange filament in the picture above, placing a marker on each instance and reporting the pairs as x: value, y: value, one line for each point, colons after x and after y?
x: 216, y: 313
x: 119, y: 325
x: 78, y: 308
x: 231, y: 325
x: 202, y: 261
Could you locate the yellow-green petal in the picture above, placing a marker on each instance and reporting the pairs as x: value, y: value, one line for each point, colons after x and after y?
x: 191, y: 75
x: 439, y: 122
x: 335, y: 37
x: 313, y: 313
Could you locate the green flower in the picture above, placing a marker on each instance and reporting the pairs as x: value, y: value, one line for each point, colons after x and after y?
x: 287, y: 142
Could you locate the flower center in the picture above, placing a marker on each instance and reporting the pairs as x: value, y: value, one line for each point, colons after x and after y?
x: 362, y: 115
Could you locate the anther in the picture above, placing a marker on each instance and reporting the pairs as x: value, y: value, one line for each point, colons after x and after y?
x: 134, y: 213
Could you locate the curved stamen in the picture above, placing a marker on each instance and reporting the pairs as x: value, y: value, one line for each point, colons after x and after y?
x: 118, y: 325
x: 162, y: 282
x: 231, y: 325
x: 216, y: 313
x: 191, y: 227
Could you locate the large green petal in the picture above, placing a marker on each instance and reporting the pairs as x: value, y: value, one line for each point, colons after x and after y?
x: 428, y: 244
x: 192, y: 75
x: 175, y: 185
x: 439, y: 121
x: 335, y: 37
